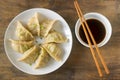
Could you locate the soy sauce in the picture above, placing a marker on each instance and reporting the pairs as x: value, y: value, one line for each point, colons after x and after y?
x: 97, y: 29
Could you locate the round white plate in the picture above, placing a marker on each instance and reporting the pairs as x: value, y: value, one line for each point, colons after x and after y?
x: 14, y: 56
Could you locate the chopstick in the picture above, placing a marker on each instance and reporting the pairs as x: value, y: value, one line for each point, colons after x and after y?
x: 82, y: 19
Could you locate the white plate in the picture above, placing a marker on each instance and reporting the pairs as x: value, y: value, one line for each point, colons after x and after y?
x: 13, y: 55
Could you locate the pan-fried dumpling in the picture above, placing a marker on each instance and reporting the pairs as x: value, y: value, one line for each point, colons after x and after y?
x: 46, y: 26
x: 21, y: 46
x: 53, y: 50
x: 30, y: 55
x: 33, y: 25
x: 43, y: 59
x: 55, y: 37
x: 22, y: 33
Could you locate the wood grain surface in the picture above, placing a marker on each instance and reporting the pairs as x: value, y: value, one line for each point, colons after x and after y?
x: 80, y: 64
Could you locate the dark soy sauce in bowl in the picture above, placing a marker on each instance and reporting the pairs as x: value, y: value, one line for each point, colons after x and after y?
x: 97, y: 29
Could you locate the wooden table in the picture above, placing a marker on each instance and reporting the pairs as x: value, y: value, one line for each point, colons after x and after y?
x: 80, y: 64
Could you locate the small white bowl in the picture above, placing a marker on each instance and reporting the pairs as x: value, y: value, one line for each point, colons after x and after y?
x: 103, y: 20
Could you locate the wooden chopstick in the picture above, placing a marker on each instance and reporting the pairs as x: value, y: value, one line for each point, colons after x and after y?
x: 82, y: 19
x: 97, y: 49
x: 87, y: 37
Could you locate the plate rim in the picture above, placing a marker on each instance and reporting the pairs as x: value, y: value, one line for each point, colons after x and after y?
x: 13, y: 19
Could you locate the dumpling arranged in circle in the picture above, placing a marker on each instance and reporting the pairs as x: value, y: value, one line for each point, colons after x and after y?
x: 46, y: 26
x: 21, y: 46
x: 43, y: 59
x: 55, y: 37
x: 33, y: 25
x: 22, y: 33
x: 53, y: 50
x: 30, y: 55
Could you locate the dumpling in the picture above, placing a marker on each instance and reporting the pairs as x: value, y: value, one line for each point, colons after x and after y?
x: 43, y: 59
x: 46, y: 26
x: 55, y: 37
x: 21, y: 46
x: 33, y: 25
x: 53, y: 50
x: 30, y: 55
x: 22, y: 33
